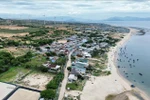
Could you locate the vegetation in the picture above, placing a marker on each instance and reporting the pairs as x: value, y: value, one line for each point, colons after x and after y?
x: 40, y: 42
x: 38, y: 33
x: 19, y: 31
x: 5, y: 61
x: 72, y: 58
x: 69, y: 68
x: 77, y: 85
x: 11, y: 74
x: 72, y: 86
x: 101, y: 66
x: 51, y: 54
x: 52, y: 87
x: 57, y: 33
x: 48, y: 94
x: 100, y: 73
x: 110, y: 97
x: 22, y: 59
x: 61, y: 61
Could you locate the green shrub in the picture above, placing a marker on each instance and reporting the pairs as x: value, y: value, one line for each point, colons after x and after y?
x: 48, y: 94
x: 53, y: 84
x: 72, y: 86
x: 69, y: 68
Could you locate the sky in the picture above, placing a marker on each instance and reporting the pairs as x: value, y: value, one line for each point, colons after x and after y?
x: 84, y: 9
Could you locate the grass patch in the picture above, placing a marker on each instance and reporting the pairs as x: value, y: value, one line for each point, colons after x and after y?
x: 16, y: 51
x: 19, y: 31
x: 101, y: 66
x: 96, y: 72
x: 100, y: 73
x: 78, y: 85
x: 11, y: 74
x: 110, y: 97
x: 37, y: 61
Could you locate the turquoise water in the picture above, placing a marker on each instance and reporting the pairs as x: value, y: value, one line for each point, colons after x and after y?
x: 135, y: 57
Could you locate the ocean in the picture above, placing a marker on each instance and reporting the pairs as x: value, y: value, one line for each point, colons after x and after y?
x: 133, y: 59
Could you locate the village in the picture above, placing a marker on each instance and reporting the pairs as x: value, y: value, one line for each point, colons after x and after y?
x: 82, y: 49
x: 58, y: 67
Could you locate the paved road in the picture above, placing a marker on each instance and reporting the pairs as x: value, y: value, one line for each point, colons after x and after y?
x: 64, y: 82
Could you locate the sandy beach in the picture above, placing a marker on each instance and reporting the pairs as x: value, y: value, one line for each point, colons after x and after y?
x: 113, y: 84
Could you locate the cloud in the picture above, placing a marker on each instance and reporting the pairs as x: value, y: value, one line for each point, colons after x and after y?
x: 73, y: 8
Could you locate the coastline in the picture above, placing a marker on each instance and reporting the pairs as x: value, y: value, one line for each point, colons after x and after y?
x: 112, y: 60
x: 98, y: 88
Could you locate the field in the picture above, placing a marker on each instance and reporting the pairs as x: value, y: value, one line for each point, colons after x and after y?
x: 18, y: 31
x: 16, y: 51
x: 13, y: 74
x: 12, y: 27
x: 9, y: 31
x: 37, y: 61
x: 2, y: 34
x: 37, y: 80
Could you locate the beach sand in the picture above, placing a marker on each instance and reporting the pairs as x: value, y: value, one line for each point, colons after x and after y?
x: 97, y: 88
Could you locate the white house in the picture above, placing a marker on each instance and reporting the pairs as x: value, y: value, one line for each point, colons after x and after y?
x: 86, y: 54
x: 72, y: 78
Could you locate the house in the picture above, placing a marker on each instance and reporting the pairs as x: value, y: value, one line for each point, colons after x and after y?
x: 103, y: 44
x: 82, y: 61
x: 73, y: 71
x: 79, y: 68
x: 43, y: 49
x: 51, y: 66
x: 72, y: 78
x: 86, y: 54
x: 84, y: 40
x: 53, y: 59
x: 54, y: 67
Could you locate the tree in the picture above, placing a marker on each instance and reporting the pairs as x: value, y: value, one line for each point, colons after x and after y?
x: 43, y: 69
x: 61, y: 61
x: 48, y: 94
x: 69, y: 68
x: 5, y: 61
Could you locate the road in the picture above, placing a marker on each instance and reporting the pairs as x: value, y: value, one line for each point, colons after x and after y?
x: 64, y: 82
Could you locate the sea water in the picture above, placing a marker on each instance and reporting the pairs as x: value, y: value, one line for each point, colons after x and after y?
x: 133, y: 60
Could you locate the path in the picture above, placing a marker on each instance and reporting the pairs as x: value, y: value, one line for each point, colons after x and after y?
x: 64, y: 82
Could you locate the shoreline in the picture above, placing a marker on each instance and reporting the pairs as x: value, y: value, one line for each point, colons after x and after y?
x: 113, y: 84
x: 112, y: 54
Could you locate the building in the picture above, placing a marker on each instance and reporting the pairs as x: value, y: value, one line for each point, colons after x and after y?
x: 86, y: 54
x: 54, y: 67
x: 72, y: 78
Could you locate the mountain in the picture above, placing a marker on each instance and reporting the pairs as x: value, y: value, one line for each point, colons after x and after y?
x: 58, y: 18
x: 1, y: 19
x: 128, y: 18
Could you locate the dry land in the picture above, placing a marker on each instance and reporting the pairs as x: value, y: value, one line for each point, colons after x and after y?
x: 22, y: 94
x: 5, y: 89
x: 38, y: 81
x: 16, y: 51
x: 12, y: 27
